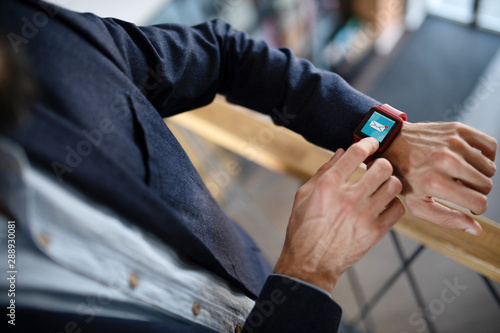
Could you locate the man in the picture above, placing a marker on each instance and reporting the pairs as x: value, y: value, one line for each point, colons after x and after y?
x: 113, y: 192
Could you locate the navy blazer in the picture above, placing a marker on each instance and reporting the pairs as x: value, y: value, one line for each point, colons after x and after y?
x: 105, y: 87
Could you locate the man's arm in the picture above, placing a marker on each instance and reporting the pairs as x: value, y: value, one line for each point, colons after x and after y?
x: 181, y: 68
x: 191, y: 65
x: 188, y: 66
x: 449, y: 161
x: 334, y: 222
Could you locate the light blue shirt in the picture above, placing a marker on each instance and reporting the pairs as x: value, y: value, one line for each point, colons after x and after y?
x: 79, y: 256
x: 75, y: 255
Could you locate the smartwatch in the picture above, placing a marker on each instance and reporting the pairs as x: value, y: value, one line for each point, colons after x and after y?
x: 382, y: 122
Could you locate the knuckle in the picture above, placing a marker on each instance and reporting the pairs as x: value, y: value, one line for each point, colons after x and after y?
x: 395, y: 185
x: 459, y: 127
x: 434, y: 184
x: 401, y: 211
x: 378, y: 232
x: 349, y: 200
x: 381, y: 228
x: 324, y: 167
x: 361, y: 187
x: 358, y: 150
x: 330, y: 179
x: 324, y: 187
x: 384, y: 165
x: 301, y: 192
x: 364, y: 218
x: 440, y: 155
x: 300, y: 195
x: 447, y: 160
x: 334, y: 175
x: 489, y: 168
x: 480, y: 204
x: 455, y: 142
x: 492, y: 143
x: 489, y: 185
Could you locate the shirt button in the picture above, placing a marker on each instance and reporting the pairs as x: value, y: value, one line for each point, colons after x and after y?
x: 133, y: 280
x: 237, y: 328
x: 43, y: 239
x: 196, y: 308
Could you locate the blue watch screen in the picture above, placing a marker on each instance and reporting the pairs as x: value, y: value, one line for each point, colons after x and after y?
x: 378, y: 126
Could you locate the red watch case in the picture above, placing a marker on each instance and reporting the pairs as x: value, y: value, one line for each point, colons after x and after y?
x: 388, y: 111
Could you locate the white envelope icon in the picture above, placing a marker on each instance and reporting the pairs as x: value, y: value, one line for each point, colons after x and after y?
x: 377, y: 126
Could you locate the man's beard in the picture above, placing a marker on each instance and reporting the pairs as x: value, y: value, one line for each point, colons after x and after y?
x: 17, y: 89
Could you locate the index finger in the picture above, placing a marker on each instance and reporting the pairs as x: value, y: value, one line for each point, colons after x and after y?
x: 355, y: 155
x: 482, y: 141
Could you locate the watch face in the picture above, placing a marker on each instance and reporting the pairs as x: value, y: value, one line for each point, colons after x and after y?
x: 378, y: 126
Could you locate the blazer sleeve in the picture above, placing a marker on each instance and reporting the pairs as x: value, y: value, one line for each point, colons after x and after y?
x: 286, y: 305
x: 180, y: 68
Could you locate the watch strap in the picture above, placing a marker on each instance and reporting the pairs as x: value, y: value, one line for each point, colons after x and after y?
x: 394, y: 112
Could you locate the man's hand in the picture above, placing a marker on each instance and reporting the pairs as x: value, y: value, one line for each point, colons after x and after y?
x: 334, y: 222
x: 449, y: 161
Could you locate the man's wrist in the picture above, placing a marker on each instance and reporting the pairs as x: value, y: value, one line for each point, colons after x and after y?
x: 310, y: 285
x: 396, y: 153
x: 326, y: 283
x: 382, y: 122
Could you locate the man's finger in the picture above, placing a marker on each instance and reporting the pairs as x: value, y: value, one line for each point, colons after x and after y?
x: 331, y: 162
x: 387, y: 192
x: 391, y: 215
x: 355, y: 155
x: 479, y: 140
x: 471, y: 177
x: 479, y: 161
x: 378, y: 173
x: 428, y: 209
x: 448, y: 189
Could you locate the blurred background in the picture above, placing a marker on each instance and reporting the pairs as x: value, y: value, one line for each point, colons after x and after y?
x: 437, y: 60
